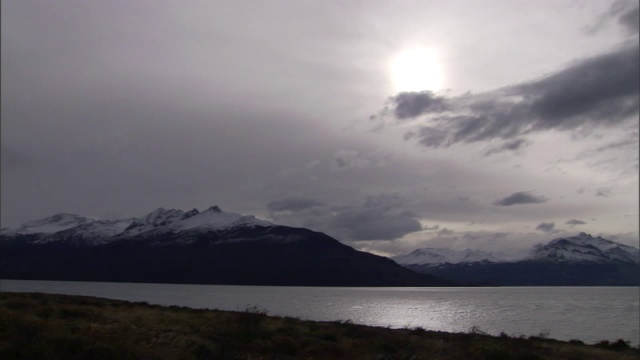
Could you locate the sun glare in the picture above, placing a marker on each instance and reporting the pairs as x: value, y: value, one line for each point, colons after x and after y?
x: 416, y: 69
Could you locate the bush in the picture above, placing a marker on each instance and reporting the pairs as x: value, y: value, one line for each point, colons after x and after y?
x: 475, y: 330
x: 620, y: 344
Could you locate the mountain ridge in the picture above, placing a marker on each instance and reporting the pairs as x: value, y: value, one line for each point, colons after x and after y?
x: 580, y: 248
x: 581, y: 260
x: 157, y: 221
x: 207, y: 247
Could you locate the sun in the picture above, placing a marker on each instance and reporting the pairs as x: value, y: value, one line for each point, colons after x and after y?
x: 416, y: 69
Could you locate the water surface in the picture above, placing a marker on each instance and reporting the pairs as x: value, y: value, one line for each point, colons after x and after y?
x: 589, y: 314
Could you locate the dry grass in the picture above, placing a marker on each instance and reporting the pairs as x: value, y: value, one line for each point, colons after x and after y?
x: 39, y: 326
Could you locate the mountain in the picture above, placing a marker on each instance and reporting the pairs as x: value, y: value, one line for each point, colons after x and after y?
x: 207, y: 247
x: 584, y: 249
x: 435, y: 256
x: 52, y: 224
x: 581, y: 260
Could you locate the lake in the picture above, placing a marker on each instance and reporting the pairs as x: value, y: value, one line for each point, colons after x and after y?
x: 589, y: 314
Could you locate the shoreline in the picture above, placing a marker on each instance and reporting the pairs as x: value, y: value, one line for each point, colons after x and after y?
x: 37, y: 325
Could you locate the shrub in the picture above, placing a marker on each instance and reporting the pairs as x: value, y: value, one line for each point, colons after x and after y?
x: 620, y: 344
x: 475, y: 330
x: 418, y: 331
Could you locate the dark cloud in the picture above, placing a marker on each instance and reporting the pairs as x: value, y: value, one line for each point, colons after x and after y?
x: 546, y: 227
x: 603, y: 192
x: 520, y: 197
x: 621, y: 12
x: 630, y: 20
x: 293, y: 204
x: 341, y: 162
x: 432, y: 137
x: 348, y: 159
x: 354, y: 159
x: 379, y: 217
x: 599, y: 91
x: 511, y: 145
x: 375, y: 224
x: 574, y: 222
x: 411, y: 104
x: 625, y: 13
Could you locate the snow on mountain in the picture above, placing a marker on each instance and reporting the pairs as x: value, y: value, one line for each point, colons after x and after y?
x: 161, y: 217
x: 158, y: 218
x: 50, y: 225
x: 77, y: 228
x: 584, y: 248
x: 435, y: 256
x: 577, y: 249
x: 213, y: 218
x: 162, y: 221
x: 95, y: 233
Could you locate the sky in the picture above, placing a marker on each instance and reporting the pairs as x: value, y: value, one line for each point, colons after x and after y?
x: 389, y: 125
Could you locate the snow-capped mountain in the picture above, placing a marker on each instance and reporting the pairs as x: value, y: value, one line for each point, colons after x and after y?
x: 436, y: 256
x: 584, y: 248
x: 176, y: 221
x: 92, y: 233
x: 207, y: 247
x: 79, y: 229
x: 581, y: 260
x: 49, y: 225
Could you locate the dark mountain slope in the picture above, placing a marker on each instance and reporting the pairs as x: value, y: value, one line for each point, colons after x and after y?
x: 241, y: 255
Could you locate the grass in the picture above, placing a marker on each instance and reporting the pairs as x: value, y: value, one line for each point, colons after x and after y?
x: 42, y: 326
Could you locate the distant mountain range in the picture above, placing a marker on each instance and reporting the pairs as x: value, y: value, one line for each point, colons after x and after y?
x: 195, y: 247
x: 570, y: 261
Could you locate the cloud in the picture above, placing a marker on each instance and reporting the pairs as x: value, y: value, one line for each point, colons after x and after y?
x: 599, y: 91
x: 520, y: 197
x: 411, y: 104
x: 351, y: 159
x: 347, y: 159
x: 373, y: 224
x: 619, y: 144
x: 574, y: 222
x: 630, y: 20
x: 623, y: 12
x: 602, y: 89
x: 378, y: 217
x: 603, y: 192
x: 511, y: 145
x: 507, y: 243
x: 292, y: 204
x: 546, y: 227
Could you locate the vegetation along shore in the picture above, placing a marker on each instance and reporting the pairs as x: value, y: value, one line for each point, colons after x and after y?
x: 45, y: 326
